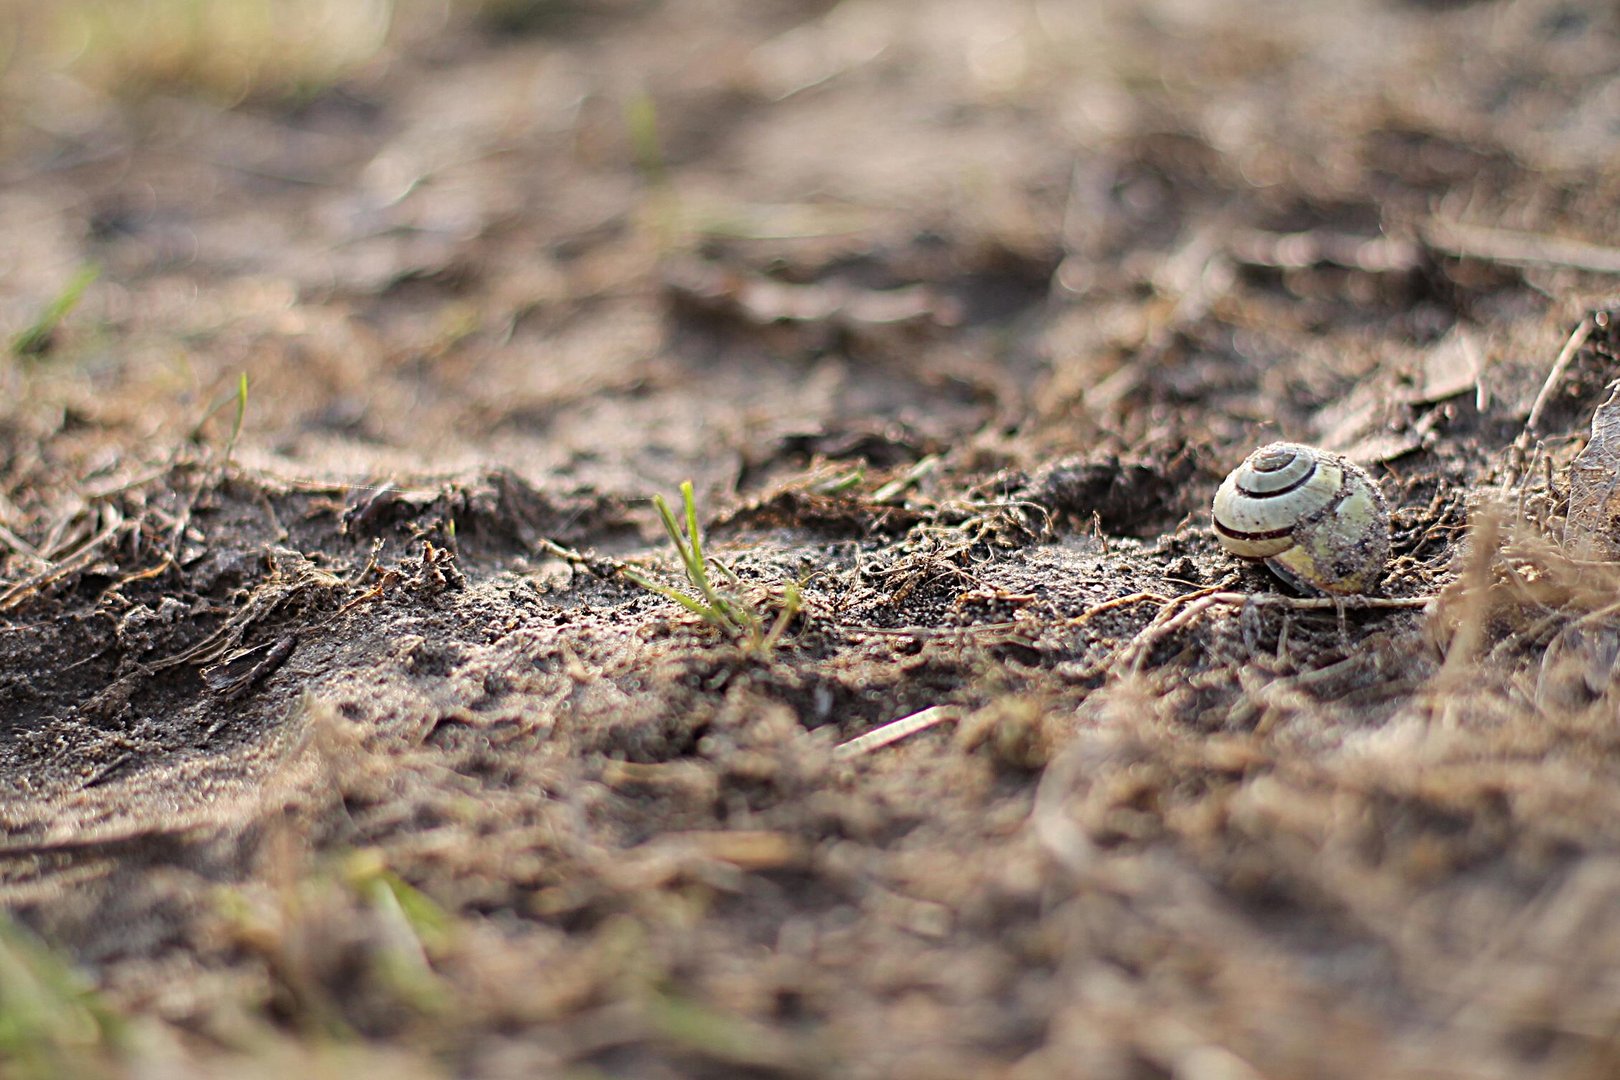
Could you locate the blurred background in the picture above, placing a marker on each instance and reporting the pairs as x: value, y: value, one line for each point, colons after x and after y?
x: 616, y: 244
x: 862, y: 270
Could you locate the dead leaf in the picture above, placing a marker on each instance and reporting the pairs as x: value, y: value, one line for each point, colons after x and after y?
x: 1592, y: 529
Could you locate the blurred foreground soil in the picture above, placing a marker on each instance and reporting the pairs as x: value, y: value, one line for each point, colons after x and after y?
x: 336, y: 736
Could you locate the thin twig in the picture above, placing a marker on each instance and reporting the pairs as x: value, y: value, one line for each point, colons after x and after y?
x: 81, y: 558
x: 895, y: 730
x: 21, y: 546
x: 1323, y: 603
x: 595, y: 565
x: 932, y: 631
x: 1565, y: 357
x: 1514, y: 470
x: 1112, y: 605
x: 1519, y: 248
x: 1183, y: 610
x: 1163, y: 625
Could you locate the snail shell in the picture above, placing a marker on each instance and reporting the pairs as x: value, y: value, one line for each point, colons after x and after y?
x: 1317, y: 520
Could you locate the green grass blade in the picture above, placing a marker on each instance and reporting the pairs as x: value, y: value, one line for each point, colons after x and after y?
x: 692, y: 522
x: 35, y: 339
x: 696, y: 566
x: 792, y: 601
x: 708, y: 613
x: 691, y: 559
x: 52, y: 1021
x: 674, y: 530
x: 241, y: 414
x: 732, y: 614
x: 641, y: 122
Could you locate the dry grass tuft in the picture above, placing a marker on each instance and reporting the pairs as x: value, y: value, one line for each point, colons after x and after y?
x: 1529, y: 614
x: 227, y: 51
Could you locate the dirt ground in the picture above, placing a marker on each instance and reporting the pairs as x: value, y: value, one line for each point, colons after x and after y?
x: 337, y: 735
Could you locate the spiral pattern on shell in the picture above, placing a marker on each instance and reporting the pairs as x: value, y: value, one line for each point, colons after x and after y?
x: 1317, y: 520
